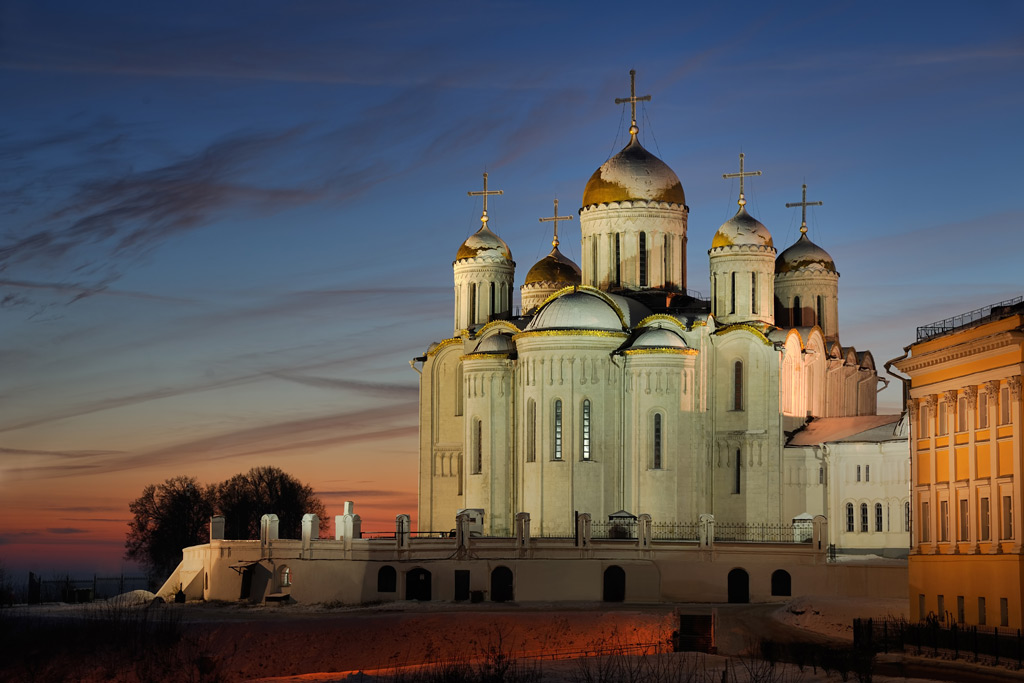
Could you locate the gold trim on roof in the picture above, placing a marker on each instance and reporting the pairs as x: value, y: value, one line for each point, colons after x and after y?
x: 570, y: 333
x: 442, y: 344
x: 749, y: 328
x: 585, y: 288
x: 661, y: 350
x: 495, y: 323
x: 661, y: 316
x: 484, y: 356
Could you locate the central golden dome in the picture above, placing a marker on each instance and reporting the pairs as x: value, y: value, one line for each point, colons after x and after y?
x: 555, y: 267
x: 634, y: 173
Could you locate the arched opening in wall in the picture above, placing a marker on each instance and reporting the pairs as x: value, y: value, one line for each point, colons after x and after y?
x: 739, y: 586
x: 387, y: 579
x: 782, y: 584
x: 666, y: 263
x: 585, y: 430
x: 849, y: 517
x: 657, y: 442
x: 494, y: 304
x: 643, y: 259
x: 417, y: 584
x: 556, y: 454
x: 732, y: 293
x: 819, y: 319
x: 614, y: 584
x: 879, y: 519
x: 502, y: 589
x: 472, y: 304
x: 478, y: 446
x: 863, y: 518
x: 284, y: 577
x: 753, y: 293
x: 714, y: 295
x: 531, y: 431
x: 798, y: 312
x: 459, y: 388
x: 618, y: 261
x: 593, y: 261
x: 739, y: 472
x: 737, y: 385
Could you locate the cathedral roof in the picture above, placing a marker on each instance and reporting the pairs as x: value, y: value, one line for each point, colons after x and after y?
x: 742, y: 229
x: 579, y: 309
x: 496, y: 343
x: 804, y: 254
x: 633, y: 173
x: 484, y: 243
x: 658, y: 338
x: 555, y: 267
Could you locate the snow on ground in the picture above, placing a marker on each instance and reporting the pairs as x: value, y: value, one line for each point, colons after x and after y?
x: 834, y: 617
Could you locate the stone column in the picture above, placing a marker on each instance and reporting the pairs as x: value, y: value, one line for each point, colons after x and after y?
x: 930, y: 402
x: 1015, y: 422
x: 974, y: 530
x: 953, y: 507
x: 995, y: 503
x: 217, y: 528
x: 310, y: 531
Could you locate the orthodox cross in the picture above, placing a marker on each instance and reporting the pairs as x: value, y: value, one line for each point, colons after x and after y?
x: 632, y: 99
x: 485, y: 194
x: 803, y: 204
x: 555, y: 218
x: 741, y: 175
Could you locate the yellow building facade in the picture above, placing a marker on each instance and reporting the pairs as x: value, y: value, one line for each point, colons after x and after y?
x: 966, y: 562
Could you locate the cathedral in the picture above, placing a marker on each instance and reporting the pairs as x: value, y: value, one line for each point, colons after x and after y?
x: 616, y: 391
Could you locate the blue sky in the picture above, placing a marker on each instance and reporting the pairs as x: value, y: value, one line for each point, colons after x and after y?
x: 226, y: 227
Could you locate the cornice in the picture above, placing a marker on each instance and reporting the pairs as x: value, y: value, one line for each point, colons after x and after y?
x: 442, y: 344
x: 954, y: 353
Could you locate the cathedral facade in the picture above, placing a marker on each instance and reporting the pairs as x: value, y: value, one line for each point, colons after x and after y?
x: 616, y: 391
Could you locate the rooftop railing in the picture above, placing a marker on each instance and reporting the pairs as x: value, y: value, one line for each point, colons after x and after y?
x: 964, y: 319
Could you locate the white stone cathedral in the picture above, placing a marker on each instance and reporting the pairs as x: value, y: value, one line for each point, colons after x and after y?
x: 616, y: 390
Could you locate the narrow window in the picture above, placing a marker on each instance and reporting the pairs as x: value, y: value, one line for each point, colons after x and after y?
x: 657, y: 441
x: 981, y: 611
x: 858, y: 472
x: 714, y: 293
x: 906, y: 516
x: 959, y: 609
x: 984, y: 523
x: 867, y: 472
x: 863, y: 518
x: 964, y: 528
x: 1007, y: 517
x: 849, y: 517
x: 1004, y: 406
x: 585, y: 455
x: 460, y: 390
x: 557, y: 455
x: 820, y: 318
x: 737, y: 385
x: 494, y: 303
x: 753, y: 293
x: 921, y: 606
x: 478, y: 444
x: 732, y: 293
x: 798, y: 312
x: 593, y: 260
x: 1004, y: 612
x: 472, y: 304
x: 941, y: 605
x: 739, y: 462
x: 878, y: 517
x: 961, y: 414
x: 643, y: 259
x: 618, y: 261
x: 982, y: 420
x: 943, y: 521
x: 531, y: 431
x: 940, y: 428
x: 666, y: 262
x: 821, y: 475
x: 926, y: 521
x: 925, y: 416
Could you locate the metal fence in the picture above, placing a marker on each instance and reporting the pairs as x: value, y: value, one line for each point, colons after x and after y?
x: 68, y: 589
x: 742, y: 532
x: 934, y: 638
x: 675, y: 531
x: 624, y: 529
x: 950, y: 324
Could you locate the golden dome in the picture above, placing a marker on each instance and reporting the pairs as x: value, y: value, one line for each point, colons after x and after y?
x: 742, y: 230
x: 804, y: 254
x: 555, y: 267
x: 484, y: 243
x: 633, y: 173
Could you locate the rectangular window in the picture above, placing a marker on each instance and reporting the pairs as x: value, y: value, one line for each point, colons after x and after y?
x: 666, y: 263
x: 643, y: 259
x: 849, y: 517
x: 922, y: 611
x: 940, y: 427
x: 478, y: 447
x: 981, y: 611
x: 1007, y: 517
x: 618, y: 261
x: 867, y: 472
x: 983, y: 519
x: 964, y: 526
x: 924, y: 416
x: 1004, y: 406
x: 959, y: 609
x: 732, y: 293
x: 858, y: 472
x: 941, y: 604
x: 821, y: 475
x: 982, y: 411
x: 531, y: 432
x: 737, y: 386
x: 585, y: 454
x: 753, y: 293
x: 657, y: 441
x: 878, y: 517
x: 961, y: 414
x: 863, y: 518
x: 739, y: 462
x: 943, y: 521
x: 925, y: 524
x: 820, y: 318
x: 1004, y: 612
x: 557, y: 454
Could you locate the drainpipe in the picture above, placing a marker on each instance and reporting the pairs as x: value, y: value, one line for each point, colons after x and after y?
x: 622, y: 432
x: 904, y: 380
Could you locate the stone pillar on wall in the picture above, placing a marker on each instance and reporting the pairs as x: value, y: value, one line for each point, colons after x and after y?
x: 217, y: 528
x: 819, y: 537
x: 522, y: 530
x: 707, y: 530
x: 403, y: 527
x: 644, y: 529
x: 310, y: 530
x: 583, y: 530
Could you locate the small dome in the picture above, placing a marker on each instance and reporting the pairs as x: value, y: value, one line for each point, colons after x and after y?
x: 742, y: 230
x: 496, y: 343
x: 577, y: 310
x: 804, y: 254
x: 633, y: 173
x: 484, y: 243
x: 658, y: 338
x: 555, y: 267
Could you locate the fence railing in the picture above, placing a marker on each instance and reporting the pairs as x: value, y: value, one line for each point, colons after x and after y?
x: 675, y: 531
x: 950, y: 324
x: 68, y: 589
x: 614, y: 530
x: 933, y: 637
x: 742, y: 532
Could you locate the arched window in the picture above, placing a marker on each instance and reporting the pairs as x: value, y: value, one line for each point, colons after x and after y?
x: 878, y: 517
x: 753, y: 293
x: 821, y: 475
x: 858, y: 472
x: 714, y: 294
x: 557, y: 453
x: 494, y: 303
x: 531, y: 431
x: 472, y: 304
x: 387, y: 579
x: 585, y: 430
x: 864, y: 518
x: 820, y: 319
x: 732, y: 293
x: 666, y: 262
x: 739, y: 464
x: 643, y: 259
x: 478, y: 446
x: 782, y: 583
x: 867, y: 472
x: 618, y: 261
x: 737, y: 385
x: 798, y: 312
x: 849, y: 517
x: 657, y: 441
x: 593, y: 259
x: 285, y: 577
x: 459, y: 389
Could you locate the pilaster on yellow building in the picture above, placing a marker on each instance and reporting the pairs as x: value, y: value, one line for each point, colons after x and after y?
x: 966, y: 562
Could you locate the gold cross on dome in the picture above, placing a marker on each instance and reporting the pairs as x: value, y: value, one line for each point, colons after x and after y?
x: 741, y: 175
x: 485, y: 194
x: 555, y: 218
x: 803, y: 203
x: 632, y: 99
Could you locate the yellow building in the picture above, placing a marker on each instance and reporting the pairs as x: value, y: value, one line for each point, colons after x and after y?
x: 966, y: 562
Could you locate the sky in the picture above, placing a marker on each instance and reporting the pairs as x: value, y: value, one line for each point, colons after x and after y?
x: 226, y: 228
